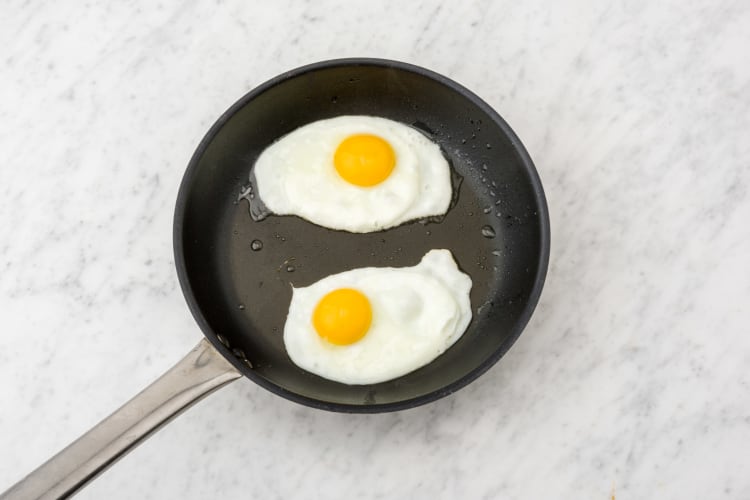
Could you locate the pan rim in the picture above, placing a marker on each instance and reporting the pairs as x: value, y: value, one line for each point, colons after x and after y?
x: 489, y: 361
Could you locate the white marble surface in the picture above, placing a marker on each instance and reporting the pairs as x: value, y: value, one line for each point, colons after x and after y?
x: 632, y: 379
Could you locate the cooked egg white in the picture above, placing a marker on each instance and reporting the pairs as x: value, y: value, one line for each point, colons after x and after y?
x: 354, y: 173
x: 372, y: 324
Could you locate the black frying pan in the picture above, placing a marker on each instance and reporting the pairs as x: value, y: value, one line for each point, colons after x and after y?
x: 498, y: 232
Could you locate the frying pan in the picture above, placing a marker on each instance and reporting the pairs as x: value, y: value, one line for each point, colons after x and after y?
x: 237, y: 274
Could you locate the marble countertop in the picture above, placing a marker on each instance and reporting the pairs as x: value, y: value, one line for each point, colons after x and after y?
x: 632, y: 379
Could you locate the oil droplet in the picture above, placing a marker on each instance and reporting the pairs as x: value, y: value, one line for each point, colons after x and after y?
x: 463, y: 141
x: 489, y: 146
x: 290, y: 268
x: 429, y: 233
x: 241, y: 307
x: 484, y: 307
x: 497, y: 253
x: 487, y: 209
x: 488, y: 232
x: 492, y: 193
x: 256, y: 245
x: 484, y: 167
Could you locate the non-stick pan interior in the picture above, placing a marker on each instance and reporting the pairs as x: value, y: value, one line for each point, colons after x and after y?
x: 243, y: 294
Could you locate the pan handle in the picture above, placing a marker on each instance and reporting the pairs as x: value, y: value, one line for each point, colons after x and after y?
x: 198, y: 374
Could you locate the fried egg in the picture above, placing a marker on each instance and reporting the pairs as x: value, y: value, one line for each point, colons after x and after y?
x: 374, y: 324
x: 354, y: 173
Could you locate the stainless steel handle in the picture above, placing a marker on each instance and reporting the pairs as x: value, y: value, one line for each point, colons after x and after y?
x: 198, y: 374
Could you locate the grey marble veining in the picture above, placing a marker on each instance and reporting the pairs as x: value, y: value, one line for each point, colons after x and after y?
x: 632, y: 379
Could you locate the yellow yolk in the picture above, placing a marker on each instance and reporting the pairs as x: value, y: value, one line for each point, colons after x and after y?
x: 364, y: 160
x: 342, y: 316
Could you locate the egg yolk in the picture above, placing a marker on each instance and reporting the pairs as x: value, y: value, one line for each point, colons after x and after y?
x: 364, y: 160
x: 342, y: 316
